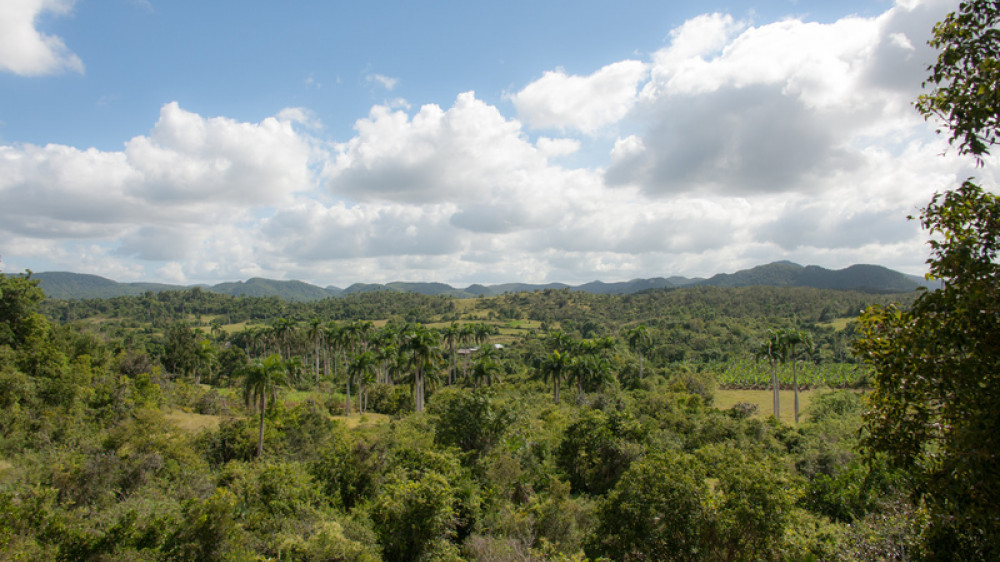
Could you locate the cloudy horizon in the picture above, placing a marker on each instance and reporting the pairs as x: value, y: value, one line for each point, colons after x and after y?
x: 739, y: 137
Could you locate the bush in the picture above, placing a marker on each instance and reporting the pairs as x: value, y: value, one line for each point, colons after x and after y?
x: 389, y: 399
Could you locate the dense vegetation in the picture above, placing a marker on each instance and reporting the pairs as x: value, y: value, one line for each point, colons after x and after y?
x: 191, y: 425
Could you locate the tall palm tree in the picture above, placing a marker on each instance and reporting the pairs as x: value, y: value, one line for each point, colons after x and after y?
x: 789, y: 340
x: 770, y: 349
x: 486, y: 370
x: 315, y: 333
x: 361, y: 369
x: 482, y: 333
x: 283, y: 330
x: 421, y: 344
x: 204, y: 356
x: 334, y: 341
x: 451, y: 336
x: 467, y: 338
x: 261, y: 381
x: 560, y: 341
x: 216, y: 330
x: 638, y: 341
x: 254, y: 337
x: 555, y: 367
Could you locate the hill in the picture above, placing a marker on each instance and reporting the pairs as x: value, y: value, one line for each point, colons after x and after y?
x: 868, y: 278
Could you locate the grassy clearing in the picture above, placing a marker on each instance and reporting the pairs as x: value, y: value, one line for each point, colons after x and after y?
x: 189, y: 421
x: 355, y: 421
x: 725, y: 399
x: 840, y: 324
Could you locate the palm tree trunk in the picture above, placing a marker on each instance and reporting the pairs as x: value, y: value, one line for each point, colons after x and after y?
x: 260, y: 432
x: 795, y: 387
x: 347, y: 403
x: 774, y: 385
x: 418, y: 391
x: 555, y: 390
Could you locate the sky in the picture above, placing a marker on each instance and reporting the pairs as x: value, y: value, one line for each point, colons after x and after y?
x: 465, y: 142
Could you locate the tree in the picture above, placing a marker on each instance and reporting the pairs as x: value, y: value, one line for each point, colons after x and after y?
x: 770, y: 349
x: 966, y: 76
x: 486, y: 371
x: 937, y: 365
x: 284, y: 330
x: 421, y: 344
x: 261, y: 381
x: 638, y: 341
x: 648, y: 516
x: 555, y: 367
x: 934, y: 408
x: 203, y: 358
x: 180, y: 349
x: 451, y: 336
x: 315, y: 333
x: 19, y: 299
x: 788, y: 340
x: 362, y: 369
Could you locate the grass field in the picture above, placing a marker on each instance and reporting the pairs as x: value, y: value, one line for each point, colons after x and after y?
x: 725, y: 399
x: 190, y: 421
x: 355, y: 421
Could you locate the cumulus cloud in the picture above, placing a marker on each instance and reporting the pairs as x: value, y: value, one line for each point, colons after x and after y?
x: 311, y: 231
x: 584, y: 103
x: 164, y: 194
x: 469, y: 156
x: 26, y: 51
x: 738, y: 109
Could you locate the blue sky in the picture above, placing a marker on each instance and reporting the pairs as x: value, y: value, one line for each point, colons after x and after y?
x: 463, y: 142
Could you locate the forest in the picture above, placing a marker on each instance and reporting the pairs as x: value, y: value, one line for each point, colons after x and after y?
x: 395, y: 426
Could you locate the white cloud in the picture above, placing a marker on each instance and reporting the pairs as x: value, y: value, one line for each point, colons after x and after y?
x: 26, y: 51
x: 553, y: 148
x: 738, y: 109
x: 584, y: 103
x: 385, y: 81
x: 166, y: 196
x: 468, y: 153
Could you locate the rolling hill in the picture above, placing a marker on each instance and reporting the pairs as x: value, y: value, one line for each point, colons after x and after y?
x: 870, y: 278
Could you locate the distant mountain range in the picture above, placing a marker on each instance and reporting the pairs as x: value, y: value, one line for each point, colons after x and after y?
x: 869, y: 278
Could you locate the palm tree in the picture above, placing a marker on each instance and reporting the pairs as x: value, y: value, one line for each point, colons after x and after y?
x: 589, y: 368
x: 482, y: 333
x: 770, y: 349
x: 254, y: 337
x: 362, y: 368
x: 638, y: 341
x: 789, y: 339
x: 451, y: 336
x: 315, y: 333
x: 467, y: 337
x: 560, y: 341
x: 422, y: 346
x: 262, y: 380
x: 554, y: 367
x: 283, y: 330
x: 486, y: 371
x: 204, y: 354
x: 216, y: 330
